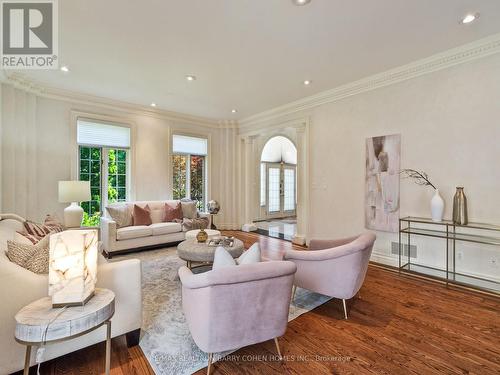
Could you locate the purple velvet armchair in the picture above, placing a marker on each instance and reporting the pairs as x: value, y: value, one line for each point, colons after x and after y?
x: 237, y: 306
x: 335, y: 268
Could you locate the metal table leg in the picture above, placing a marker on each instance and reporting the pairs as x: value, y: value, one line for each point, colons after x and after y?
x: 27, y: 360
x: 108, y: 346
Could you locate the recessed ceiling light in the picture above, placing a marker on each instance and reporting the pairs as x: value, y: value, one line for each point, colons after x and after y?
x: 307, y: 82
x: 301, y: 2
x: 234, y: 110
x: 64, y: 69
x: 191, y: 78
x: 469, y: 18
x: 153, y: 104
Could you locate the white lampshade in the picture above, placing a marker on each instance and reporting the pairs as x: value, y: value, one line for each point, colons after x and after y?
x: 74, y: 191
x: 72, y: 267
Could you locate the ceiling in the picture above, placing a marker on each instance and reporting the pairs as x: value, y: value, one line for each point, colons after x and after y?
x: 251, y: 55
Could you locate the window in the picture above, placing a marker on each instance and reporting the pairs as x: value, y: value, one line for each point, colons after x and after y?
x: 262, y: 184
x: 189, y: 168
x: 274, y: 189
x: 289, y: 193
x: 104, y: 161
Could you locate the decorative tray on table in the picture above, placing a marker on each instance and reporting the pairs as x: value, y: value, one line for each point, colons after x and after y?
x: 221, y: 241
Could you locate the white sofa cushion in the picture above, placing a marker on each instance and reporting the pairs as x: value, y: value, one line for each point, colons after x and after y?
x: 136, y: 231
x: 165, y: 228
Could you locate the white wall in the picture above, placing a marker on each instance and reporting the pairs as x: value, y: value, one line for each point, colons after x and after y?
x: 38, y: 146
x: 448, y: 120
x: 449, y: 123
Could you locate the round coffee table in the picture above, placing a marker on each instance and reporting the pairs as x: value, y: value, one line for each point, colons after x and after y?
x: 191, y: 251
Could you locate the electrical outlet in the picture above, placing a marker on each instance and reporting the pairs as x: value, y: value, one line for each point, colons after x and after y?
x: 460, y: 255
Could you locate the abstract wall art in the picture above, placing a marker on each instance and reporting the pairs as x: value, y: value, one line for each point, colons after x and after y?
x: 383, y: 159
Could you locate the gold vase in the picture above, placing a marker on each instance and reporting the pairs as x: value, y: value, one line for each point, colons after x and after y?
x: 202, y: 236
x: 460, y: 207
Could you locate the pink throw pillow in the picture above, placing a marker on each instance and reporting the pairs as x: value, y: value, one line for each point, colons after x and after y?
x: 141, y: 216
x: 172, y: 214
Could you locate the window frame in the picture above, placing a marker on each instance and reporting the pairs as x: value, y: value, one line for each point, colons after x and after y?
x: 107, y: 120
x: 206, y: 169
x: 104, y: 172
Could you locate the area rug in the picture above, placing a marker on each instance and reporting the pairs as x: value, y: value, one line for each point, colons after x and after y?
x: 165, y: 339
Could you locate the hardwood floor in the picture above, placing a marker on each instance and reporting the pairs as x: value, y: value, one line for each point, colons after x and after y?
x: 400, y: 325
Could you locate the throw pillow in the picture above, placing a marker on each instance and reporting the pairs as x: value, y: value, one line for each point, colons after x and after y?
x: 53, y: 224
x: 172, y: 213
x: 222, y: 259
x: 35, y: 232
x: 189, y: 209
x: 252, y: 255
x: 120, y: 215
x: 141, y: 216
x: 34, y: 258
x: 199, y: 223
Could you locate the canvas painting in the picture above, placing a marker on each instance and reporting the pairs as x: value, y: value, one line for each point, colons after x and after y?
x: 383, y: 159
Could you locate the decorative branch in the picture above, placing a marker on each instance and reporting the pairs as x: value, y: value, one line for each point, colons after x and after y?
x: 420, y: 178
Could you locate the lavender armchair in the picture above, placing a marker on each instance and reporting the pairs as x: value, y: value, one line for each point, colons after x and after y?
x: 335, y: 268
x: 237, y: 306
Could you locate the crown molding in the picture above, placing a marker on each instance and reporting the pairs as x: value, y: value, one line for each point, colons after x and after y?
x: 21, y: 82
x: 228, y: 124
x: 468, y: 52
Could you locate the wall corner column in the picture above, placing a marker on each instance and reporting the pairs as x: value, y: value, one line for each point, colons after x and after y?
x: 302, y: 132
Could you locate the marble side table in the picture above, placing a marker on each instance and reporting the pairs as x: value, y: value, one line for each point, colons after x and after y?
x: 38, y: 323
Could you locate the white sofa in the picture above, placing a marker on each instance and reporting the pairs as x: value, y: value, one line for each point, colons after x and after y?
x: 119, y: 240
x: 19, y: 287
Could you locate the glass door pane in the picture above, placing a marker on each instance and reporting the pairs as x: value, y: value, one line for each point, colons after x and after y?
x: 289, y: 187
x: 273, y: 188
x: 179, y: 176
x: 197, y: 179
x: 90, y: 170
x: 117, y: 175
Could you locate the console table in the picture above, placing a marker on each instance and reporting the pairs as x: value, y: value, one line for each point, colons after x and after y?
x: 488, y: 234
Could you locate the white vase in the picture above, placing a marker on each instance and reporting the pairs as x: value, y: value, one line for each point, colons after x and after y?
x: 437, y: 206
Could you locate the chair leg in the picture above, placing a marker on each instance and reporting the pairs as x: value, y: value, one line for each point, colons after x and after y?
x: 278, y: 348
x: 345, y: 308
x: 294, y: 289
x: 210, y: 358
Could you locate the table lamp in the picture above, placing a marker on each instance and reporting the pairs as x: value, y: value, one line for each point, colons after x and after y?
x: 73, y: 192
x: 72, y: 267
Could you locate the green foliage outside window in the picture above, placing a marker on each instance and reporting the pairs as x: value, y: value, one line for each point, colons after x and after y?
x: 90, y: 170
x: 91, y: 221
x: 198, y: 181
x: 196, y: 165
x: 179, y: 176
x: 117, y: 176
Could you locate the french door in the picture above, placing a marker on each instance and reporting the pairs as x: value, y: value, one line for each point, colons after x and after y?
x: 281, y: 190
x: 108, y: 172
